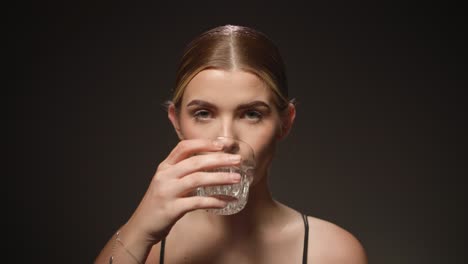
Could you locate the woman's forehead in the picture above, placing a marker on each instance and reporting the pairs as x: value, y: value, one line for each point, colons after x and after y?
x: 226, y: 86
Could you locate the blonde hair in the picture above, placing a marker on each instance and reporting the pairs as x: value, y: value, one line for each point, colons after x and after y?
x: 233, y: 47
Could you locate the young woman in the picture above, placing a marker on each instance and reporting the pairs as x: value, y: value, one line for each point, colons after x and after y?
x: 231, y: 82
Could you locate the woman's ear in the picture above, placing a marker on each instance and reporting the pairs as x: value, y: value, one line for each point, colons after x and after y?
x: 173, y: 116
x: 287, y: 121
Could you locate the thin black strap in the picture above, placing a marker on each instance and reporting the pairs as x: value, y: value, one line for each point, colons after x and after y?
x: 161, y: 253
x: 306, y: 239
x: 304, y: 254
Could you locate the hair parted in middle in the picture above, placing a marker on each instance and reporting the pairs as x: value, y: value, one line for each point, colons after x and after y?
x: 233, y: 47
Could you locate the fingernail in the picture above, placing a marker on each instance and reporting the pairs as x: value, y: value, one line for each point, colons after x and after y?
x: 218, y: 144
x: 234, y: 158
x: 236, y: 177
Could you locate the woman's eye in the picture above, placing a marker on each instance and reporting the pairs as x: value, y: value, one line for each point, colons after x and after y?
x: 253, y: 115
x: 202, y: 115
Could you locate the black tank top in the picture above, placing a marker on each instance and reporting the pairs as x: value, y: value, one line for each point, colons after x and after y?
x: 304, y: 251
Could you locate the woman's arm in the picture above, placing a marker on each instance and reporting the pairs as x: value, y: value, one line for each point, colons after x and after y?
x: 168, y: 198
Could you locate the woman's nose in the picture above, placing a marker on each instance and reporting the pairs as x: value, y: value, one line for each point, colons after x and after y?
x: 227, y: 128
x: 230, y: 145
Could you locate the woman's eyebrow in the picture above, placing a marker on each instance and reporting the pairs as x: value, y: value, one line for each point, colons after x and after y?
x: 200, y: 103
x: 206, y: 104
x: 253, y: 105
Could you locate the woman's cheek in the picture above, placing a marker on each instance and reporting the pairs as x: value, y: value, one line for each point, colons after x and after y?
x: 264, y: 141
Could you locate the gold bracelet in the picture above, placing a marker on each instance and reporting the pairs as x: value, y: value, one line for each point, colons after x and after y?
x: 117, y: 239
x: 128, y: 251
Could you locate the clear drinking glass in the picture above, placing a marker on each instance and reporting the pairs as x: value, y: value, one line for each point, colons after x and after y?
x: 236, y: 194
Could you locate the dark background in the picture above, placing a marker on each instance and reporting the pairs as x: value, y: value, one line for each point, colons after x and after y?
x: 378, y: 145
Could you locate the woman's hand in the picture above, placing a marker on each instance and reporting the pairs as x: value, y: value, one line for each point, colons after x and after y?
x: 169, y: 197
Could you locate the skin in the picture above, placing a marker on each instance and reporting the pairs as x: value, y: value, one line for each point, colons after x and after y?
x: 235, y: 104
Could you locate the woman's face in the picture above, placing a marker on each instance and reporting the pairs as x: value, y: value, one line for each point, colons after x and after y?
x: 234, y: 104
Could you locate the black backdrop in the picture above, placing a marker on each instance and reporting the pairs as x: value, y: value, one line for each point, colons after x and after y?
x: 377, y: 146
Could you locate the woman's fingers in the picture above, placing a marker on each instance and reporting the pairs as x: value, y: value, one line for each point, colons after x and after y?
x: 198, y: 179
x: 189, y: 147
x: 167, y: 198
x: 199, y: 202
x: 195, y: 155
x: 203, y: 162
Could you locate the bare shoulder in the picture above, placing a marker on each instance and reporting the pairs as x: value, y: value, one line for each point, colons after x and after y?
x: 330, y: 243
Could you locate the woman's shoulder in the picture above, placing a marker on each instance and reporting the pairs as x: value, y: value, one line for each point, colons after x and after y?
x: 330, y: 243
